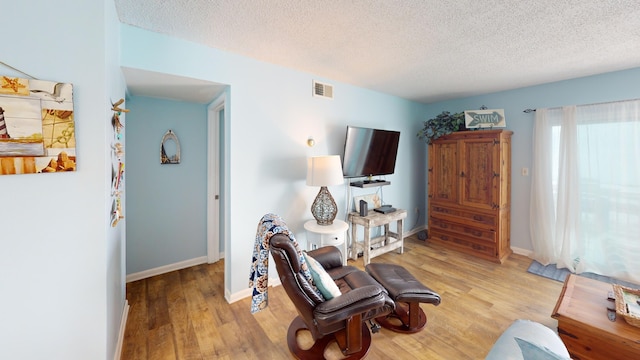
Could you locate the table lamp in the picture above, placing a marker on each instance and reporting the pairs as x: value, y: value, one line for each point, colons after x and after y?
x: 324, y: 171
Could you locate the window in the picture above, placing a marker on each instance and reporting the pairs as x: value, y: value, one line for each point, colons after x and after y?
x: 585, y: 213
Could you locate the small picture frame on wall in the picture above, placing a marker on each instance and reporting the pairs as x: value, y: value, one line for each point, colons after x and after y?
x: 373, y: 201
x: 170, y: 148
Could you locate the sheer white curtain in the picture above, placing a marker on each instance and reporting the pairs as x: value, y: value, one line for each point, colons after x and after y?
x: 585, y: 195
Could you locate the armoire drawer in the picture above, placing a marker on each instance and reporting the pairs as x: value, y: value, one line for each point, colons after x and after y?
x: 479, y: 233
x: 470, y: 245
x: 489, y: 221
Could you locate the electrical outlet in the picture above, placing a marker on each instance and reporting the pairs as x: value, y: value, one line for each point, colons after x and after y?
x: 525, y: 171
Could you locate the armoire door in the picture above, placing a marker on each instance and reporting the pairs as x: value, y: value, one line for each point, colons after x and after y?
x: 480, y: 173
x: 444, y: 172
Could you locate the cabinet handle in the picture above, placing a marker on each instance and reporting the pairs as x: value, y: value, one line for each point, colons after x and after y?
x: 462, y: 174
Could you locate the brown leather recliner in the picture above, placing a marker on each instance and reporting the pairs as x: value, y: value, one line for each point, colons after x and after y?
x: 342, y: 318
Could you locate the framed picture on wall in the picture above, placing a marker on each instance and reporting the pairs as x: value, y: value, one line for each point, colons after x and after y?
x: 37, y: 126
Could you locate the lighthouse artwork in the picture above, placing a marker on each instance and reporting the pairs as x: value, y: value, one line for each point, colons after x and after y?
x: 3, y: 126
x: 37, y: 126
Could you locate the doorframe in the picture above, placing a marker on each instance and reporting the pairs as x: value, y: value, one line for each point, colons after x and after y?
x: 213, y: 178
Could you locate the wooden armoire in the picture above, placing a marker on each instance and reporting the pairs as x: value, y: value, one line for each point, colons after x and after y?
x: 470, y: 192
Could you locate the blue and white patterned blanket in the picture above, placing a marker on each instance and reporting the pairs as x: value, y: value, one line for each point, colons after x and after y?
x: 269, y: 225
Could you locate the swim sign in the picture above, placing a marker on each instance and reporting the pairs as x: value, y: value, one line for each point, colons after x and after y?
x: 488, y: 118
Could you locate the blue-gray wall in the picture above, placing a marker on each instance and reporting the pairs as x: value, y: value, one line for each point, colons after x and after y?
x: 166, y: 204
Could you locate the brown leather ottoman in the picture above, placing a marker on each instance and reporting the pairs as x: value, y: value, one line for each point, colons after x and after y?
x: 407, y: 292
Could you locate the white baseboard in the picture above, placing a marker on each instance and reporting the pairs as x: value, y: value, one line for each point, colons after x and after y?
x: 415, y: 231
x: 521, y: 251
x: 166, y: 268
x: 231, y: 298
x: 123, y: 326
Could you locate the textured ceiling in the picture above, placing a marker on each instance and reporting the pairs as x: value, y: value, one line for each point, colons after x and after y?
x: 423, y: 50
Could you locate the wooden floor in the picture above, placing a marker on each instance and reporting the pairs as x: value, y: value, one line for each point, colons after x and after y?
x: 183, y: 314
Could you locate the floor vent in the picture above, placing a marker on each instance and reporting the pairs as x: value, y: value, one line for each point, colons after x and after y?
x: 322, y: 90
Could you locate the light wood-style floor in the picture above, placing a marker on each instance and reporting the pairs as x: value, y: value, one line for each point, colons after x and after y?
x: 183, y: 314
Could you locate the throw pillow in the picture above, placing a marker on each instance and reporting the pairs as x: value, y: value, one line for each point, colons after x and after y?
x: 531, y: 351
x: 322, y: 279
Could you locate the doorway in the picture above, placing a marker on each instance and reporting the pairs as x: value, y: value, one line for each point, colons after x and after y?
x: 215, y: 117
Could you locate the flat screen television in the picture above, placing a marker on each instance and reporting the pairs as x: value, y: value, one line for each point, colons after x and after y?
x: 369, y: 152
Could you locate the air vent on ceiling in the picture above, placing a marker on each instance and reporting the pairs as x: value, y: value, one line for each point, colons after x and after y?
x: 322, y: 90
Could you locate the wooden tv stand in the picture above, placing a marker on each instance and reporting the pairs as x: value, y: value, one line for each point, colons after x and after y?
x: 583, y: 324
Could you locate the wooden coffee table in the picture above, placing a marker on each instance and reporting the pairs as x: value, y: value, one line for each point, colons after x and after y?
x: 583, y: 324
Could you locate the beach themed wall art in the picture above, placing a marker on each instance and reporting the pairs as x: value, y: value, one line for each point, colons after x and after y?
x: 484, y: 118
x: 170, y: 148
x: 37, y: 126
x: 117, y: 162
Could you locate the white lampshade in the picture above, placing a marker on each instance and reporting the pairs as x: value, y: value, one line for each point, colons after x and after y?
x: 324, y: 171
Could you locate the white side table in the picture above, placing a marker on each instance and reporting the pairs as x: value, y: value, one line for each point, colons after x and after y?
x: 324, y: 235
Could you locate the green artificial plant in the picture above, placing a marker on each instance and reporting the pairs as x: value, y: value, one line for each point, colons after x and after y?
x: 443, y: 124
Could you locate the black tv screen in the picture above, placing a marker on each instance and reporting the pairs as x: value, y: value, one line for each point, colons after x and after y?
x: 369, y: 152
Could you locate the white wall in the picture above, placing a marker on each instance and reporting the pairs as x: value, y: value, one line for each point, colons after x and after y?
x: 271, y: 115
x: 61, y: 266
x: 621, y: 85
